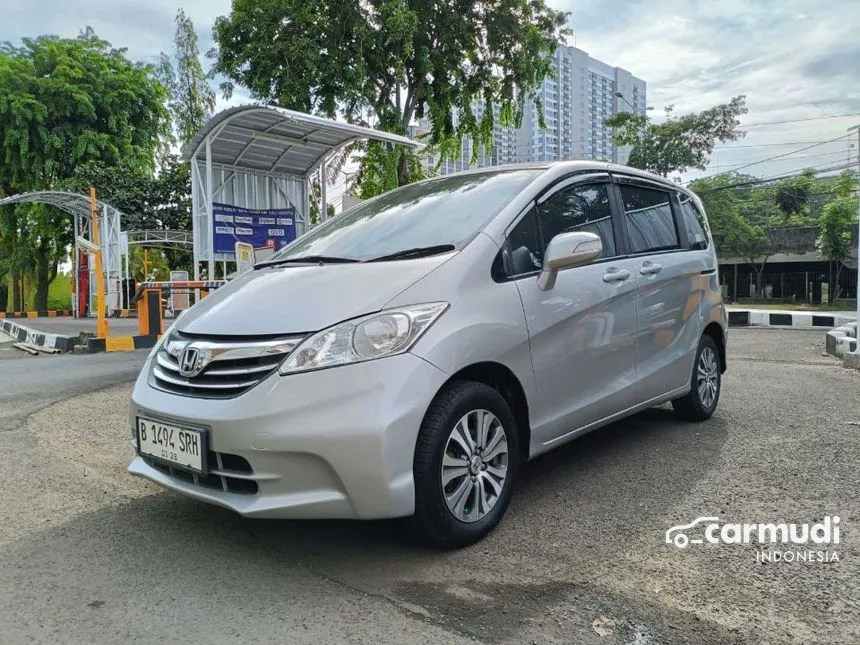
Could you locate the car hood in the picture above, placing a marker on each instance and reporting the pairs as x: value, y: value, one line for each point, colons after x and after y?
x: 298, y: 298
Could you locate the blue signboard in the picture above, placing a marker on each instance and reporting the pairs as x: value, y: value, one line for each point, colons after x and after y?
x: 272, y: 228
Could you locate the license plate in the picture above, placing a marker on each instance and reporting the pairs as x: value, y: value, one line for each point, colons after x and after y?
x: 180, y: 446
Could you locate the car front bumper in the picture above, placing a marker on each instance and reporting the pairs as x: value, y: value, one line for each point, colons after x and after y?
x: 333, y: 443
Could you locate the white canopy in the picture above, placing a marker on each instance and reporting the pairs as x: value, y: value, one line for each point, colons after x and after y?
x: 261, y: 158
x: 274, y: 140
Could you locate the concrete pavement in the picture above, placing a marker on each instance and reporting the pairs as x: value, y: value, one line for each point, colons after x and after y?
x: 90, y: 555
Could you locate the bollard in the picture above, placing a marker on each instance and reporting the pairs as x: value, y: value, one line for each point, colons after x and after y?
x: 149, y: 313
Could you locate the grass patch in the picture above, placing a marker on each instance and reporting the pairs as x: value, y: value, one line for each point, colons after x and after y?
x: 60, y: 292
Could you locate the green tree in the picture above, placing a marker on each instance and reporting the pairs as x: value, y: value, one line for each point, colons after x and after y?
x: 398, y: 59
x: 680, y: 143
x: 64, y: 103
x: 731, y: 204
x: 792, y: 195
x: 192, y: 99
x: 835, y: 241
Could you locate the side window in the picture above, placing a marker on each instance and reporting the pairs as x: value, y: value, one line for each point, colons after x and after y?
x: 581, y: 207
x: 648, y: 214
x: 524, y: 247
x: 694, y: 222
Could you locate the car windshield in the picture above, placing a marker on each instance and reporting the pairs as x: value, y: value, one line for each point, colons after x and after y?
x: 439, y: 213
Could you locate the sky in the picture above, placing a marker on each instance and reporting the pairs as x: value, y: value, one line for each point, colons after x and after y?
x: 795, y: 60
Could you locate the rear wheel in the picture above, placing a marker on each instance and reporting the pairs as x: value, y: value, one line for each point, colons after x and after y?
x: 466, y: 461
x: 699, y: 404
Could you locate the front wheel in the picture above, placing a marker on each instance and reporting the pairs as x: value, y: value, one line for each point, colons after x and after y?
x: 699, y: 404
x: 466, y: 461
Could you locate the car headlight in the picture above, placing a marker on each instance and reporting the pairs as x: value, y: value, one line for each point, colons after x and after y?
x: 381, y: 334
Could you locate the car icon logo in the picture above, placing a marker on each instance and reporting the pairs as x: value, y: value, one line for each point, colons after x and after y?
x: 189, y: 363
x: 676, y: 536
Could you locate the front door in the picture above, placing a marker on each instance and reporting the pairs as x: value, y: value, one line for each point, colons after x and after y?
x: 583, y: 330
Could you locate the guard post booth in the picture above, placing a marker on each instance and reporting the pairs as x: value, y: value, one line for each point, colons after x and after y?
x: 251, y: 172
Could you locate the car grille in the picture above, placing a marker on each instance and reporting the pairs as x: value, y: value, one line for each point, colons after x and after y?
x: 221, y: 368
x: 228, y: 473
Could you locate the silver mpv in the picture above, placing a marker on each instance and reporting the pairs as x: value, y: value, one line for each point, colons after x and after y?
x: 406, y: 357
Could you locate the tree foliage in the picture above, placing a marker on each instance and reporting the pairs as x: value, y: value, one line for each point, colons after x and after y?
x: 835, y: 241
x: 397, y: 60
x: 745, y: 213
x: 792, y: 195
x: 65, y: 103
x: 680, y: 143
x: 192, y: 99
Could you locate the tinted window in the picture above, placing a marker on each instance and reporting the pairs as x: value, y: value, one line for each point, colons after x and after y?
x: 526, y: 253
x: 694, y: 222
x: 650, y: 224
x: 582, y: 207
x: 449, y: 210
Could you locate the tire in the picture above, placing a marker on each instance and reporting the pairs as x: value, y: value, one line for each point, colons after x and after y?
x: 705, y: 384
x: 442, y: 517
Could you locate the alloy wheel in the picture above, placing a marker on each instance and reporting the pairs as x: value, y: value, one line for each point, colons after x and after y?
x: 708, y: 375
x: 475, y: 465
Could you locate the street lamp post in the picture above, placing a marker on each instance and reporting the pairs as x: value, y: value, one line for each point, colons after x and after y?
x: 856, y: 352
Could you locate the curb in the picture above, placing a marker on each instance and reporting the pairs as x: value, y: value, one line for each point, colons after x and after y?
x: 841, y: 341
x: 31, y: 336
x: 60, y: 313
x: 120, y: 343
x: 51, y: 313
x: 753, y: 317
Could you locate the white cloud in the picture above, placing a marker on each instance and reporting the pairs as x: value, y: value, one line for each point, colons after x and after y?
x: 793, y: 59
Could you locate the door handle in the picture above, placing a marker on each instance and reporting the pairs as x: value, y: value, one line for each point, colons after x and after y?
x: 616, y: 275
x: 649, y: 268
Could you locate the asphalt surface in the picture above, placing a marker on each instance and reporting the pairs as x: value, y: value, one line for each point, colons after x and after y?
x: 90, y: 555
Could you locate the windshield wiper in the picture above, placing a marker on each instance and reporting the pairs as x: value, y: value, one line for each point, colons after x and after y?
x: 306, y: 259
x: 417, y: 252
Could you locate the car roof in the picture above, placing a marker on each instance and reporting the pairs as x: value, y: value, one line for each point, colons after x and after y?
x: 572, y: 165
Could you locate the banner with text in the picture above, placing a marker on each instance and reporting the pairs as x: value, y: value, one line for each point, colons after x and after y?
x: 271, y: 228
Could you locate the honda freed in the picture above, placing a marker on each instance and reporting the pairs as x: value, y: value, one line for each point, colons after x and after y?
x: 406, y: 357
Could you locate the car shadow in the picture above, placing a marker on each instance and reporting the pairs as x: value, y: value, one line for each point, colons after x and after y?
x: 574, y: 508
x: 627, y: 472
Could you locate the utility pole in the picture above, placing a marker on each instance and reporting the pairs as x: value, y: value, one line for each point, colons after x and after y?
x: 856, y: 353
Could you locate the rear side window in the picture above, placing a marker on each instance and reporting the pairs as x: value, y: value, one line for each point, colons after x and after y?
x: 650, y: 224
x: 694, y: 222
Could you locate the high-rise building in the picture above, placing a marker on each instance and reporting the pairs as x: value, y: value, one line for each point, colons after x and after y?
x: 583, y: 94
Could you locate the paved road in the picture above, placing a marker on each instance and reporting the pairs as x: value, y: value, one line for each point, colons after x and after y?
x: 30, y: 383
x: 89, y: 555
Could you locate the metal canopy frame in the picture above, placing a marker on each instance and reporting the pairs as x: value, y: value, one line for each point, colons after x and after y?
x: 166, y: 239
x: 79, y: 207
x: 262, y: 157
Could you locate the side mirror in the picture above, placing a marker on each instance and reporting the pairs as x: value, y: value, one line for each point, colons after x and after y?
x: 565, y: 251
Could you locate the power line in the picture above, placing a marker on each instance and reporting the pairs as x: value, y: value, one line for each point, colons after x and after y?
x: 766, y: 145
x: 820, y: 154
x: 765, y: 180
x: 780, y: 156
x: 811, y: 118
